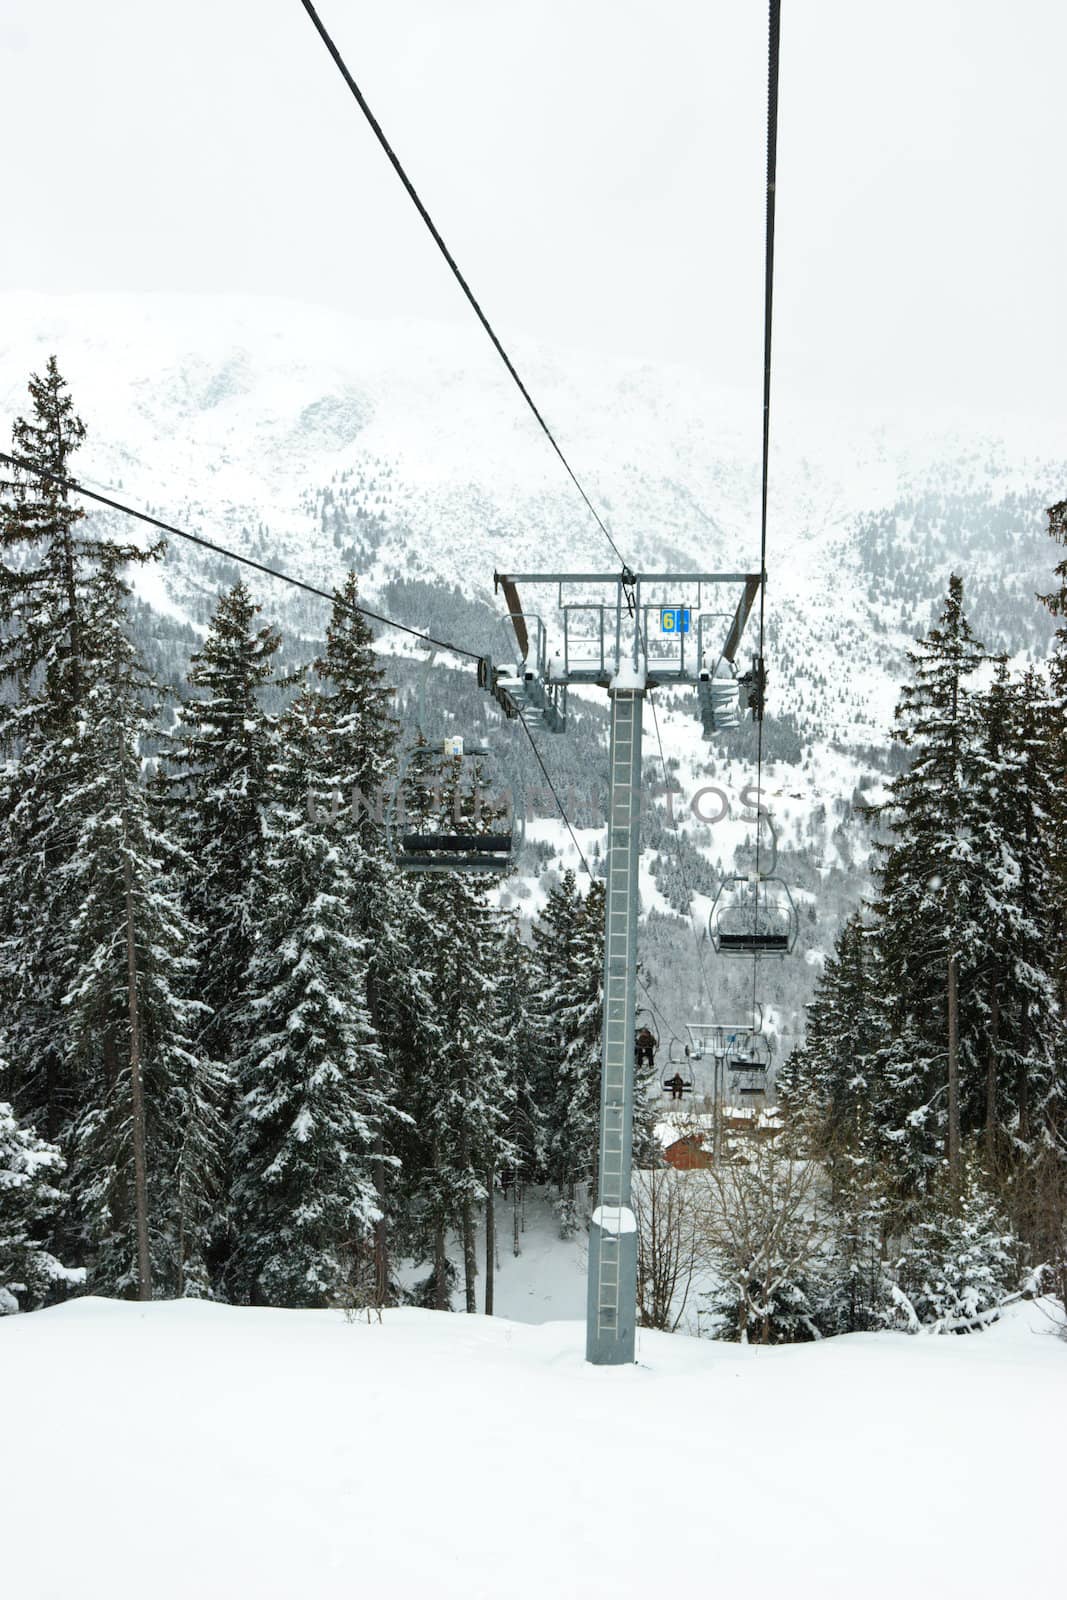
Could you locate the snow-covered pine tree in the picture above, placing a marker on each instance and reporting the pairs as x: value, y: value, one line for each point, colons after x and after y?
x: 555, y: 944
x: 310, y: 1107
x: 45, y: 557
x: 1056, y: 741
x: 365, y: 731
x: 144, y: 1148
x: 48, y: 560
x: 1038, y: 1201
x: 858, y: 1297
x: 359, y: 732
x: 468, y: 1110
x: 1019, y: 1095
x: 768, y: 1248
x: 524, y: 1131
x: 1056, y: 603
x: 928, y: 907
x: 960, y: 1261
x: 507, y: 1133
x: 220, y: 753
x: 578, y: 1008
x: 826, y: 1086
x: 29, y: 1198
x: 462, y: 1102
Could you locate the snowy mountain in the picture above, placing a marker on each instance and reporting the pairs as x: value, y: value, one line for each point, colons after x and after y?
x: 317, y: 442
x: 249, y: 419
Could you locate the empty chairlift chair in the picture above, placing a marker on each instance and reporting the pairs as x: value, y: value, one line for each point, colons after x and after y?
x: 752, y: 1053
x: 753, y: 917
x: 748, y: 1077
x: 455, y: 852
x: 719, y: 699
x: 459, y: 846
x: 748, y: 1065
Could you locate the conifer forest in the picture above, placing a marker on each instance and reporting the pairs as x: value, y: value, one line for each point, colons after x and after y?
x: 533, y: 800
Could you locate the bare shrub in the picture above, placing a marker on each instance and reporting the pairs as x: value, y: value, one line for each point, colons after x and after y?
x: 766, y: 1244
x: 668, y: 1207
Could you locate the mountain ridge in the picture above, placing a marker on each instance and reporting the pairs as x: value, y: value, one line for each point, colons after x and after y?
x: 317, y: 443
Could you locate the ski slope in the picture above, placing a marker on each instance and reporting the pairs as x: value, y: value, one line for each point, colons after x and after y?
x: 183, y: 1448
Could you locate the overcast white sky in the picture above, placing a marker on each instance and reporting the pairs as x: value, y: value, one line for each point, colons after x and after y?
x: 596, y: 165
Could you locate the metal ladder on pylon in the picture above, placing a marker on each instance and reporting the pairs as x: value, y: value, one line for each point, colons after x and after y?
x: 620, y: 952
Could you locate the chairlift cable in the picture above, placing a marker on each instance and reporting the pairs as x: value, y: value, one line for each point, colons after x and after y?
x: 231, y: 555
x: 555, y: 795
x: 435, y: 233
x: 73, y: 484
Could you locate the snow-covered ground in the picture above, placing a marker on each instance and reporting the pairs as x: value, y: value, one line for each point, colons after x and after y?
x: 186, y: 1449
x: 545, y: 1282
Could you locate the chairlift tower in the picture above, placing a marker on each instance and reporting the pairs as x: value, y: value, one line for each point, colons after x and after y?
x: 727, y: 1044
x: 626, y: 633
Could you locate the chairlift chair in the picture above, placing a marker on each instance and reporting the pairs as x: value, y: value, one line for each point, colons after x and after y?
x: 644, y: 1046
x: 455, y: 849
x: 719, y: 698
x: 753, y: 1055
x: 680, y: 1082
x: 694, y: 1050
x: 455, y: 852
x: 677, y: 1086
x: 754, y: 916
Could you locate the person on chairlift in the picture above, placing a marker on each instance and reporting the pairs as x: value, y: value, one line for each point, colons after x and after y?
x: 677, y: 1084
x: 646, y: 1047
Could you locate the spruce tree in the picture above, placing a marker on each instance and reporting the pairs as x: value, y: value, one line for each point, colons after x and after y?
x: 49, y: 559
x: 463, y: 1101
x: 310, y: 1105
x: 555, y: 938
x: 45, y: 556
x: 578, y: 1009
x: 29, y: 1199
x: 144, y: 1147
x: 524, y: 1130
x: 1016, y: 1098
x: 928, y: 907
x: 221, y: 750
x: 1056, y: 734
x: 364, y: 729
x: 1038, y: 1201
x: 827, y: 1087
x: 858, y: 1288
x: 359, y: 733
x: 959, y: 1263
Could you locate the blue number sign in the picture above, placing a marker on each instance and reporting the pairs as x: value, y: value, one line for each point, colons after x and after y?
x: 674, y: 619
